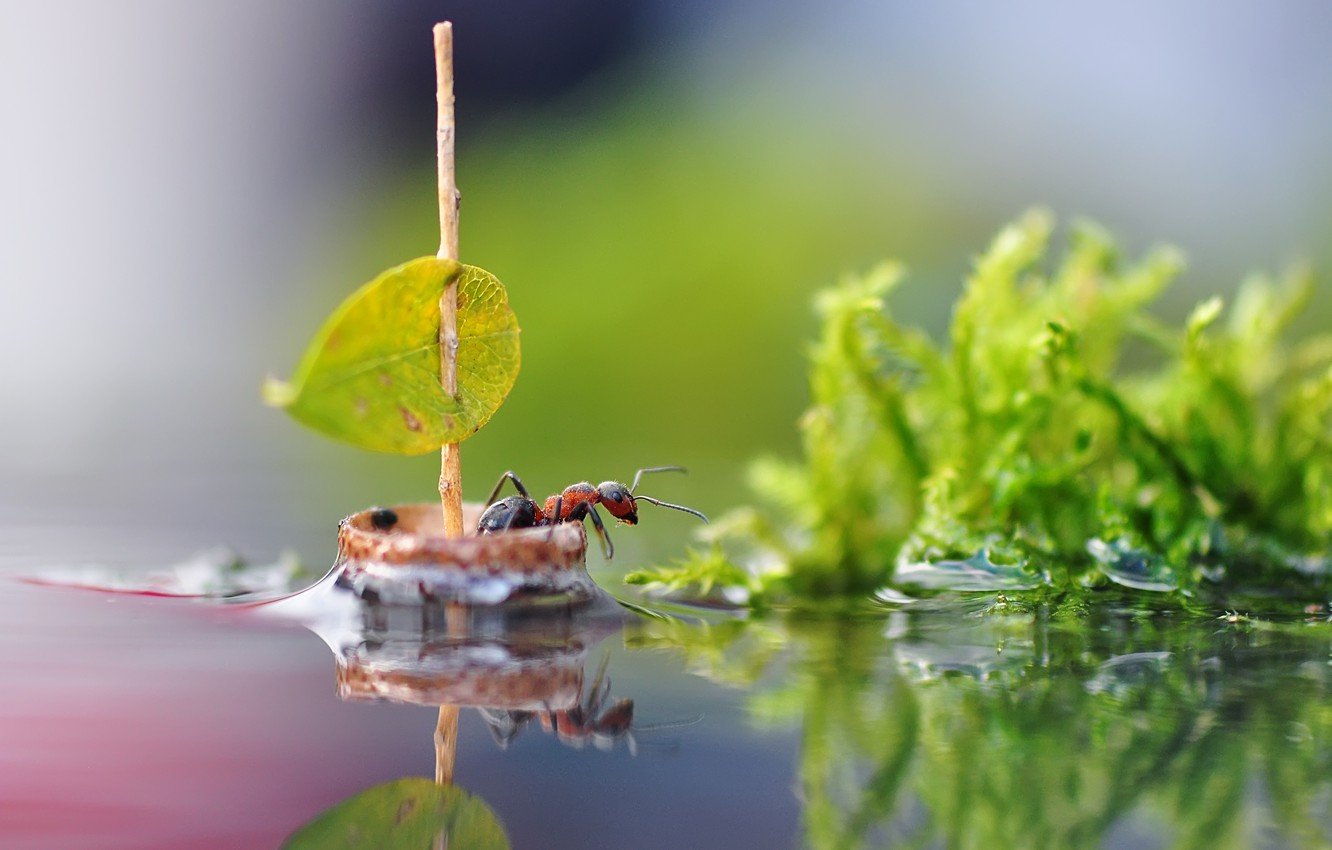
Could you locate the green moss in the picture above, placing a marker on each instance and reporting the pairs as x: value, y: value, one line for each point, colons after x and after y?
x: 1062, y: 436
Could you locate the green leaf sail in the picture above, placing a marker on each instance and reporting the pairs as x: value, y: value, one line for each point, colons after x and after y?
x: 407, y: 813
x: 370, y: 376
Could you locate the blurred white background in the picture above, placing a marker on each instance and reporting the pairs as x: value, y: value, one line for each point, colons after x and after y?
x: 173, y: 177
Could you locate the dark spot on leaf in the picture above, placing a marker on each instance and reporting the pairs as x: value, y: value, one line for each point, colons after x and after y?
x: 404, y: 811
x: 409, y: 418
x: 448, y: 423
x: 385, y: 380
x: 462, y: 301
x: 362, y: 406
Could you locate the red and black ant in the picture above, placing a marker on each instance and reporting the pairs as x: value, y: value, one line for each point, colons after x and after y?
x: 576, y: 503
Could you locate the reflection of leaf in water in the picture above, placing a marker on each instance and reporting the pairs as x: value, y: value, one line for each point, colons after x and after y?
x: 408, y: 813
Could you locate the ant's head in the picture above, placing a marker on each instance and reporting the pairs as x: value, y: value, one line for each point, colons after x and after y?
x: 623, y: 504
x: 616, y: 498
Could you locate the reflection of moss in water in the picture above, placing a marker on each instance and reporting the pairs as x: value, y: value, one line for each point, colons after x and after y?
x: 856, y: 754
x: 1044, y: 758
x: 1016, y: 732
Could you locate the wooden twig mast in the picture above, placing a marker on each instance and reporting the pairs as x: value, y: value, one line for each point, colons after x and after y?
x: 450, y: 464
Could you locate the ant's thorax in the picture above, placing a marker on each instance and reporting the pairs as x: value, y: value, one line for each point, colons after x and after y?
x: 570, y: 499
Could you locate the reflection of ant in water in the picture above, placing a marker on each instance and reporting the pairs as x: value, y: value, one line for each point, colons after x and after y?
x: 585, y: 721
x: 574, y: 504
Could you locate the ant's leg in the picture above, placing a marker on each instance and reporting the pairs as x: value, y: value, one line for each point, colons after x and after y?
x: 548, y: 719
x: 554, y: 520
x: 640, y: 473
x: 517, y: 485
x: 503, y: 727
x: 607, y: 546
x: 600, y: 688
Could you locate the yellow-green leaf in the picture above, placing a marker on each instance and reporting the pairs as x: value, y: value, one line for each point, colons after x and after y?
x: 408, y: 813
x: 370, y: 376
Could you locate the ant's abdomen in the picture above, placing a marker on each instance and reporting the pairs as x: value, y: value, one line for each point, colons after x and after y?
x: 513, y: 512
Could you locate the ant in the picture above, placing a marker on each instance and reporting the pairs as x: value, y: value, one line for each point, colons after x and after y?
x: 574, y: 504
x: 588, y: 720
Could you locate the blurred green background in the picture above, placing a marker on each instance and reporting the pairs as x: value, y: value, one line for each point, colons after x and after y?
x: 661, y: 262
x: 662, y: 187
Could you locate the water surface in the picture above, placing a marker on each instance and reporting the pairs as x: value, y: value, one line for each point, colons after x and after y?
x: 133, y: 722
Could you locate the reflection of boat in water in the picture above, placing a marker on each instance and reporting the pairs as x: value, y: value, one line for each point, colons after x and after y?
x: 517, y: 667
x: 520, y: 664
x: 461, y: 672
x: 519, y: 671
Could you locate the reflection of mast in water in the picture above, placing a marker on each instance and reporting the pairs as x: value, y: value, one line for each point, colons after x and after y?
x: 446, y: 728
x: 446, y: 744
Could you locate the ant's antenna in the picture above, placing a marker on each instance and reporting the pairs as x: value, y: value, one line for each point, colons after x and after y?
x: 640, y: 473
x: 659, y: 503
x: 671, y: 724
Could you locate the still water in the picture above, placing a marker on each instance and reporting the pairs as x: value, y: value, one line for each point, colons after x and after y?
x: 139, y: 722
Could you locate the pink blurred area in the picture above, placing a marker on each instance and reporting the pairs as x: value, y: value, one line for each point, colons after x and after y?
x: 147, y: 723
x: 142, y: 723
